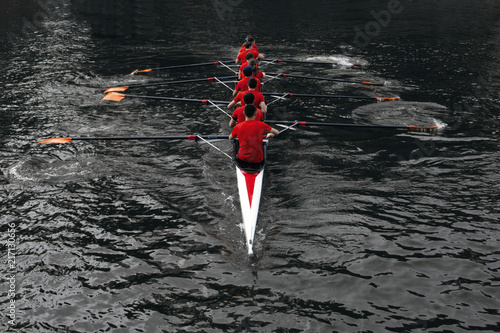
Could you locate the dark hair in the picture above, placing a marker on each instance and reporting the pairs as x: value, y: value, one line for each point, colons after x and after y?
x: 250, y: 110
x: 252, y: 83
x: 248, y: 45
x: 250, y: 39
x: 249, y: 56
x: 253, y: 63
x: 248, y: 98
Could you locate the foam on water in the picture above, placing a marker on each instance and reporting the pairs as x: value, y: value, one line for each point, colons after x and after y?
x: 341, y: 60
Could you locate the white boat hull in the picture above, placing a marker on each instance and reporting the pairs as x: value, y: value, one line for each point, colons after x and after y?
x: 250, y: 190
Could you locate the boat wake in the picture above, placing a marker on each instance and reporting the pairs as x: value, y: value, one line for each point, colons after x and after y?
x: 42, y: 169
x: 341, y: 60
x: 402, y: 113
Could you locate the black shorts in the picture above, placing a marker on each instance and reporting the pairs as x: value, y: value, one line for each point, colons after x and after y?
x: 250, y: 166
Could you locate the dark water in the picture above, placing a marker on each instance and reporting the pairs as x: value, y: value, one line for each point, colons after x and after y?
x: 359, y: 231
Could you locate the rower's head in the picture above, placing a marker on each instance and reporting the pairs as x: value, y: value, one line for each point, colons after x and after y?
x: 250, y: 111
x: 248, y: 71
x: 248, y: 98
x: 249, y: 56
x: 248, y: 45
x: 252, y: 83
x: 252, y: 63
x: 250, y: 39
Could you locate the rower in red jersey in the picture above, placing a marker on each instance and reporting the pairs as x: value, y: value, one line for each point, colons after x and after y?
x: 242, y: 85
x: 257, y: 73
x: 249, y: 57
x: 239, y: 114
x: 250, y: 39
x: 250, y: 134
x: 248, y: 48
x: 259, y: 98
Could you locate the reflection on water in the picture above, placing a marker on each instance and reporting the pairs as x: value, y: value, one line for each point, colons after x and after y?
x: 358, y: 230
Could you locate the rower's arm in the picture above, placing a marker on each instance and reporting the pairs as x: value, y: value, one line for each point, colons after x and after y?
x: 232, y: 122
x: 263, y: 107
x: 272, y: 133
x: 232, y: 104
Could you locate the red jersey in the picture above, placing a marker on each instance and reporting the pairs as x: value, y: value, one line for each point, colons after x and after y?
x: 258, y: 76
x: 250, y: 135
x: 243, y: 85
x: 242, y: 57
x: 254, y: 47
x: 243, y: 65
x: 239, y: 115
x: 258, y: 97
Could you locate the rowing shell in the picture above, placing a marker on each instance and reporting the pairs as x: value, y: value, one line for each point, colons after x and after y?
x: 250, y: 190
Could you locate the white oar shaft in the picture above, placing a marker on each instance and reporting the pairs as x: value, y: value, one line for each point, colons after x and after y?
x: 224, y: 65
x: 292, y: 127
x: 272, y: 78
x: 267, y: 62
x: 278, y: 98
x: 223, y: 83
x: 218, y: 107
x: 213, y: 146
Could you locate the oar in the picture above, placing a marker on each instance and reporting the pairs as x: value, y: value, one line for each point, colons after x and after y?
x: 306, y: 62
x: 144, y: 71
x: 210, y: 79
x: 422, y: 129
x: 113, y: 96
x: 324, y: 79
x: 174, y: 137
x: 289, y: 95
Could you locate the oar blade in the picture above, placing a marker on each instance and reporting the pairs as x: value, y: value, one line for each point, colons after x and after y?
x: 114, y: 96
x: 372, y: 83
x: 141, y: 71
x: 56, y: 140
x: 387, y: 99
x: 423, y: 129
x: 116, y: 89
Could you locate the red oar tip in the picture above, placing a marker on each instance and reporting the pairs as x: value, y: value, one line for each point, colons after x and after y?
x: 56, y: 140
